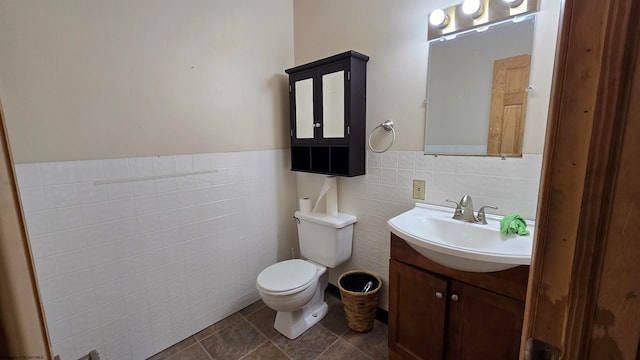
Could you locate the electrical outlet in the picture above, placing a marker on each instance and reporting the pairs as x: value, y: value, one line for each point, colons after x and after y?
x: 418, y: 189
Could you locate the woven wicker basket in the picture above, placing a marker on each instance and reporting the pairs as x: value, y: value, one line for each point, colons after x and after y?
x: 359, y: 308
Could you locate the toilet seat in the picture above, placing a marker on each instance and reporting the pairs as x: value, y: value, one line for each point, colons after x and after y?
x: 286, y: 277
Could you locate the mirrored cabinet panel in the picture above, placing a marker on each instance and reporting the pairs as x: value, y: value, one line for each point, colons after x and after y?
x: 333, y: 104
x: 328, y: 115
x: 304, y: 109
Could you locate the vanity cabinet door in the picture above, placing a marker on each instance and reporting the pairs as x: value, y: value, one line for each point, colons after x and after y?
x: 417, y: 309
x: 482, y: 324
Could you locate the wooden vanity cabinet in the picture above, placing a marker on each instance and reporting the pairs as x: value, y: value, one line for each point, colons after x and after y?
x: 327, y: 109
x: 439, y: 313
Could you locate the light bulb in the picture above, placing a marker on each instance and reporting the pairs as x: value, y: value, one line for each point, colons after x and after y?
x: 439, y: 18
x: 472, y: 8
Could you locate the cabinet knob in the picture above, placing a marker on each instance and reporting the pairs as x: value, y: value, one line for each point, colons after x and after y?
x: 316, y: 125
x: 439, y: 295
x: 454, y: 297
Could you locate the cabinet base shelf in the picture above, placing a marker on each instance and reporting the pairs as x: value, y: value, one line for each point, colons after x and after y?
x: 332, y: 160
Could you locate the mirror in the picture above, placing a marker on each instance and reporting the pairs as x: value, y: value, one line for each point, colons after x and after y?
x: 333, y: 105
x: 304, y: 109
x: 460, y: 99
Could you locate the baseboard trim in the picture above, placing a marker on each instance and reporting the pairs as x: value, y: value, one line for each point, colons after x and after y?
x: 381, y: 314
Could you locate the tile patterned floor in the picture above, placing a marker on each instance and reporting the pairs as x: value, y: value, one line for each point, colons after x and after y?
x: 249, y: 334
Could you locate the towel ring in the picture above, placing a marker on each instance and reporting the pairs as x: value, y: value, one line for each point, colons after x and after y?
x: 387, y: 126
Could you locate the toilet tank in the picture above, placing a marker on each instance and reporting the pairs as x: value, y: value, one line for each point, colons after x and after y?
x: 325, y: 239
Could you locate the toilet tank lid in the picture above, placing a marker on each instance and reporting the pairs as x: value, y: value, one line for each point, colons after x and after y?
x: 338, y: 221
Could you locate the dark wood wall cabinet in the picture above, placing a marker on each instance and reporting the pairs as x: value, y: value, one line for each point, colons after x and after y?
x: 328, y: 115
x: 439, y: 313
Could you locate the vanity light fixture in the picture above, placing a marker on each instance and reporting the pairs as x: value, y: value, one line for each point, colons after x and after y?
x: 439, y: 18
x: 474, y: 14
x: 473, y: 8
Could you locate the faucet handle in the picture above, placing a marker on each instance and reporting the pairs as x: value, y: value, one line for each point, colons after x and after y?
x: 482, y: 218
x: 458, y: 213
x: 453, y: 201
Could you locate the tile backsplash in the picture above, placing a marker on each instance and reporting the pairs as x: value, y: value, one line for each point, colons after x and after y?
x: 511, y: 184
x: 130, y: 268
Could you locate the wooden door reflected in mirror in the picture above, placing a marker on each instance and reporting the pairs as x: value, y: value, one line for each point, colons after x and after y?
x: 508, y: 105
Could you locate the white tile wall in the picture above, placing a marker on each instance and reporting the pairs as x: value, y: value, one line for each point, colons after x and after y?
x: 386, y: 191
x: 132, y: 268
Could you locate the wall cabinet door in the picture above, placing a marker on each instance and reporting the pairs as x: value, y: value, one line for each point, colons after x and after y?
x: 417, y: 310
x: 482, y: 324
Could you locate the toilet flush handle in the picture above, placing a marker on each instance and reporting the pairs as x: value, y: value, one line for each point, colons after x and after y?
x: 296, y: 220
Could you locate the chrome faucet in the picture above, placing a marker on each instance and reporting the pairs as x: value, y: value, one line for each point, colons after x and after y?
x: 464, y: 211
x: 467, y: 209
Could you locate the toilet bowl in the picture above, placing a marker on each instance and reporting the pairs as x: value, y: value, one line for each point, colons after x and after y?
x: 295, y: 289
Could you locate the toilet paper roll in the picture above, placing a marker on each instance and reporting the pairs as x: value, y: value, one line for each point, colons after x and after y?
x: 305, y: 204
x: 329, y: 193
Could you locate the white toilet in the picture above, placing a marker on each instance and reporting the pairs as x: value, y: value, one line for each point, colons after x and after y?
x: 295, y: 288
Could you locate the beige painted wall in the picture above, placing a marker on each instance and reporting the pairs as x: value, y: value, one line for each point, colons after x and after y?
x: 393, y: 34
x: 93, y: 79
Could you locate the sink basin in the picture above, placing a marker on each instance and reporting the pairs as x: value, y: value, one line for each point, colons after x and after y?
x: 460, y: 245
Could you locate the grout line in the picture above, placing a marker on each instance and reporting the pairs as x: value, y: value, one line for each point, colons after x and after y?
x: 255, y: 327
x: 357, y: 349
x: 254, y: 349
x: 253, y: 312
x: 330, y: 345
x: 203, y: 349
x: 243, y: 318
x: 265, y: 336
